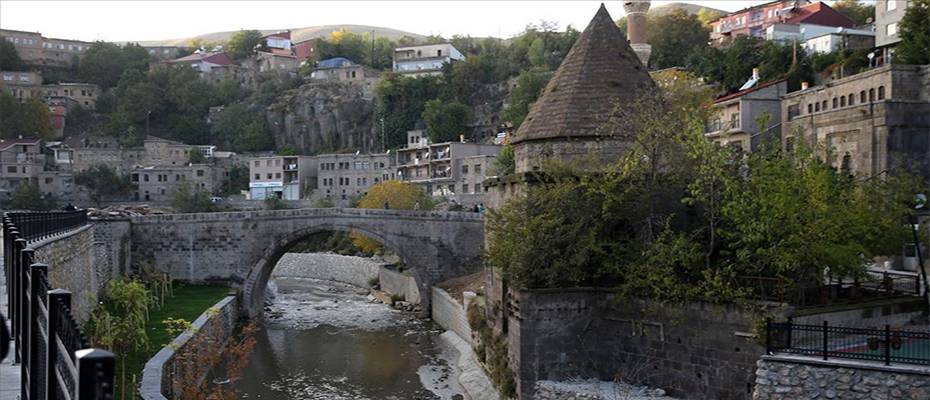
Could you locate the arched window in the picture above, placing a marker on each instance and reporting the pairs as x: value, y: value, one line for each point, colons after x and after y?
x: 846, y: 164
x: 872, y: 94
x: 810, y: 108
x: 842, y: 101
x: 835, y: 102
x: 851, y: 98
x: 881, y: 93
x: 862, y: 96
x: 817, y: 107
x: 823, y: 106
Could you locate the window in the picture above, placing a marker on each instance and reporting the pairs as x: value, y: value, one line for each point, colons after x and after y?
x: 277, y: 163
x: 881, y: 93
x: 477, y: 168
x: 269, y: 175
x: 851, y: 97
x: 862, y: 96
x: 824, y: 105
x: 464, y: 188
x: 842, y: 101
x: 810, y: 108
x: 11, y: 170
x: 48, y: 181
x: 267, y: 163
x: 891, y: 29
x: 891, y: 5
x: 835, y: 102
x: 145, y: 177
x: 199, y: 172
x: 277, y: 175
x: 793, y: 111
x: 438, y: 53
x: 872, y: 94
x: 817, y: 107
x: 464, y: 169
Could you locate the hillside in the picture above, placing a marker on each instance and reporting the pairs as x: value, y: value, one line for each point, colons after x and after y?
x: 663, y: 9
x: 297, y: 34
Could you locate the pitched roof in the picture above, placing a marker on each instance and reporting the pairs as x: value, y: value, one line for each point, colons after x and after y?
x: 7, y: 143
x: 600, y: 71
x: 747, y: 91
x: 210, y: 57
x: 821, y: 14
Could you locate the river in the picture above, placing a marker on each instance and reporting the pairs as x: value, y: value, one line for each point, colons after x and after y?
x: 325, y: 340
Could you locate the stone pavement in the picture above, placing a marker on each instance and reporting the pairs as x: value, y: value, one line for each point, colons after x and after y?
x: 9, y: 373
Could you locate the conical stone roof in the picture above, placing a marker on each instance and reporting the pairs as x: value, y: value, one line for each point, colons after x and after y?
x: 599, y: 72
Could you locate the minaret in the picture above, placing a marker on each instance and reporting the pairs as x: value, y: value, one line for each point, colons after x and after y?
x: 636, y: 28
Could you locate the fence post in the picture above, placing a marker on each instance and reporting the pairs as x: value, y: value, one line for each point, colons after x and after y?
x: 768, y: 335
x: 826, y: 343
x: 54, y: 297
x: 887, y: 344
x: 36, y: 384
x: 18, y: 245
x: 95, y: 374
x: 790, y: 328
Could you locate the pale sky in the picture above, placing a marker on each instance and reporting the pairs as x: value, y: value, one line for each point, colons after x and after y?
x: 157, y: 20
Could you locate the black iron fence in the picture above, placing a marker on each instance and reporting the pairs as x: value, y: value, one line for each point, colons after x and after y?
x: 823, y: 341
x: 56, y: 361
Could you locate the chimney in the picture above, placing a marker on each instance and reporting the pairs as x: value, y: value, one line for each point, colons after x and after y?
x: 804, y: 85
x: 755, y: 73
x: 636, y: 28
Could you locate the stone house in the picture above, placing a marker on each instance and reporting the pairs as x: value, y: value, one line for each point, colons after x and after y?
x: 472, y: 173
x: 158, y: 183
x: 163, y: 53
x: 34, y: 49
x: 868, y: 123
x: 83, y: 94
x: 426, y: 59
x: 344, y: 177
x: 284, y: 177
x: 21, y: 84
x: 735, y: 119
x: 344, y: 70
x: 277, y: 60
x: 436, y: 167
x: 21, y: 160
x: 205, y: 63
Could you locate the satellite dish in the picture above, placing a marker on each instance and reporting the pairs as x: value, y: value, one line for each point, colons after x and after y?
x: 388, y: 151
x: 921, y: 201
x: 357, y: 152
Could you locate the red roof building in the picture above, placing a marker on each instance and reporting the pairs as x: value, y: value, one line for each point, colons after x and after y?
x: 754, y: 21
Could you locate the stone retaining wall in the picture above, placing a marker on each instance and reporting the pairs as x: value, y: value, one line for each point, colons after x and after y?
x: 449, y: 314
x: 74, y: 266
x: 794, y: 378
x: 112, y: 243
x: 162, y: 373
x: 395, y: 282
x: 355, y: 271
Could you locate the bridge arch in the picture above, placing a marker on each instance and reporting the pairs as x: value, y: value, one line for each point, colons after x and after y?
x: 253, y: 290
x: 243, y: 247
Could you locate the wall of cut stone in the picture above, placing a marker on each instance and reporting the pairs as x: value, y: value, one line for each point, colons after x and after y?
x: 166, y: 372
x: 783, y: 378
x: 693, y: 351
x: 395, y: 282
x: 449, y: 314
x: 72, y: 265
x: 113, y: 245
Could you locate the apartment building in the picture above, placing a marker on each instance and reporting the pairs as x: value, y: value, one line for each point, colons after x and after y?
x: 24, y: 85
x: 868, y: 123
x: 472, y: 172
x: 84, y: 94
x: 34, y: 49
x: 158, y: 183
x: 344, y: 70
x: 735, y: 119
x: 888, y: 14
x: 284, y: 177
x: 840, y: 39
x: 426, y: 59
x: 163, y: 53
x: 21, y: 160
x: 344, y: 177
x: 756, y: 21
x: 437, y: 167
x: 21, y: 85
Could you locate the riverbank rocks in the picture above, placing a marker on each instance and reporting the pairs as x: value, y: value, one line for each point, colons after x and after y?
x: 595, y: 390
x: 777, y: 380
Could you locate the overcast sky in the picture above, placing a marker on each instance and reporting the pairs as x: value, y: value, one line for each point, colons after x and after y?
x: 156, y: 20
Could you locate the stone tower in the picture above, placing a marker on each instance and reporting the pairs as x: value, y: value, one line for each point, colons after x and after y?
x: 600, y: 72
x: 636, y: 28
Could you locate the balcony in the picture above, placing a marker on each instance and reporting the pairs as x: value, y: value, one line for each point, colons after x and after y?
x: 717, y: 127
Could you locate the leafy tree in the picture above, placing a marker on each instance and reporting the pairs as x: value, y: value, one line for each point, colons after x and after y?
x: 28, y: 197
x: 241, y: 128
x: 287, y: 150
x: 118, y: 323
x: 445, y: 121
x: 674, y: 37
x: 914, y: 47
x: 9, y: 57
x: 504, y: 164
x: 395, y: 195
x: 530, y: 84
x: 104, y: 183
x: 105, y: 63
x: 856, y: 10
x: 194, y: 156
x: 187, y: 199
x: 29, y: 118
x: 238, y: 180
x: 400, y: 103
x: 242, y: 44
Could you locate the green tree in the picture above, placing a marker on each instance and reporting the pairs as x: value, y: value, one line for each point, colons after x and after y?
x: 241, y: 128
x: 194, y: 156
x: 400, y: 102
x: 856, y: 10
x: 104, y: 183
x: 238, y: 180
x: 674, y: 37
x: 530, y: 84
x: 104, y: 63
x: 9, y: 57
x: 914, y: 47
x: 445, y: 121
x: 28, y: 197
x: 242, y: 44
x: 504, y: 164
x: 187, y: 199
x: 30, y: 118
x: 287, y: 150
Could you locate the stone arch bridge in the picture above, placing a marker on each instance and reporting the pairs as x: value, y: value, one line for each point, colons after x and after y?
x: 243, y: 247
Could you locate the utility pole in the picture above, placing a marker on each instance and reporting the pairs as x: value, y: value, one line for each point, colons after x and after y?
x: 383, y: 147
x: 372, y: 48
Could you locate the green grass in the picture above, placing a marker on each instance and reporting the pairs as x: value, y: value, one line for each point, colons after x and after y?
x: 188, y: 303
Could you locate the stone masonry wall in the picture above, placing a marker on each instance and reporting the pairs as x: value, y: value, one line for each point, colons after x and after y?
x: 112, y: 243
x: 164, y: 373
x: 791, y: 378
x: 693, y: 351
x: 395, y: 282
x: 355, y: 271
x: 72, y: 265
x: 449, y: 314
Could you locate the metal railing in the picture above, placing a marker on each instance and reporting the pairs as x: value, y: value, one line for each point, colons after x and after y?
x: 874, y: 283
x: 56, y: 361
x: 823, y: 341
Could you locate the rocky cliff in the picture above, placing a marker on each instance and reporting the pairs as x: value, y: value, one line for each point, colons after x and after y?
x: 322, y: 117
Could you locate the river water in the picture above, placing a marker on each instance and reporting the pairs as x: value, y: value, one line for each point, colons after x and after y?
x: 325, y: 340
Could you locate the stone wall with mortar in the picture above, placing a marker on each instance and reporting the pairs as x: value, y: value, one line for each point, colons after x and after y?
x: 73, y: 266
x: 395, y: 282
x: 163, y: 374
x: 449, y: 314
x: 693, y: 351
x: 355, y: 271
x: 112, y: 243
x: 796, y: 378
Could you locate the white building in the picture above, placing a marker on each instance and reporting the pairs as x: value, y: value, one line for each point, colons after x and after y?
x: 840, y: 38
x: 425, y: 60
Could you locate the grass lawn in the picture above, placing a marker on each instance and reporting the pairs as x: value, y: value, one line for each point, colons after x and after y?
x: 188, y: 303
